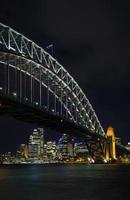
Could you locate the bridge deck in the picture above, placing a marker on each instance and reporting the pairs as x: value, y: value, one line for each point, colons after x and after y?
x: 29, y: 114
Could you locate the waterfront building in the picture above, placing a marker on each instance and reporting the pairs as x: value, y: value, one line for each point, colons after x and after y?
x: 51, y: 150
x: 80, y: 150
x: 8, y: 158
x: 128, y: 146
x: 36, y: 144
x: 65, y: 148
x: 70, y: 150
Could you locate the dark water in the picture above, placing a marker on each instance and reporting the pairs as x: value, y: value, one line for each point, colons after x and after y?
x: 65, y: 182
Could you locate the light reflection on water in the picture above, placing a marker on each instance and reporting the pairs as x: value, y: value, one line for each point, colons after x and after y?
x: 66, y: 182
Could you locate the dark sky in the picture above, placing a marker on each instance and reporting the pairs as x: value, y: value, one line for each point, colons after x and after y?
x: 92, y: 40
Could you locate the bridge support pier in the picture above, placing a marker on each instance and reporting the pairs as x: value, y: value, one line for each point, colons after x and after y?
x: 110, y: 150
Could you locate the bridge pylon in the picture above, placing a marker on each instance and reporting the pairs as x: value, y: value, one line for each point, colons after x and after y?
x: 110, y: 150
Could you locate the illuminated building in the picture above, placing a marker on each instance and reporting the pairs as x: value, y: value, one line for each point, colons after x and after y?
x: 36, y: 144
x: 70, y: 150
x: 128, y: 146
x: 8, y: 158
x: 51, y: 150
x: 63, y: 147
x: 80, y: 150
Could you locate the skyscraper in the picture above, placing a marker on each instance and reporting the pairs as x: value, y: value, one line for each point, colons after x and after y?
x: 36, y: 144
x: 80, y: 150
x: 65, y: 147
x: 51, y: 150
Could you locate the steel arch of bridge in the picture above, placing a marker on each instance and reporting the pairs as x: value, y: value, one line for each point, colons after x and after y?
x: 23, y: 55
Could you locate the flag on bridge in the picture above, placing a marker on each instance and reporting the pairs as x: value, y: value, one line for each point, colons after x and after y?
x: 49, y: 46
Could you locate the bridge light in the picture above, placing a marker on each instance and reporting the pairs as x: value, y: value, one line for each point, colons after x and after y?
x: 26, y: 99
x: 92, y: 128
x: 104, y: 160
x: 36, y: 103
x: 14, y: 94
x: 1, y: 88
x: 90, y: 121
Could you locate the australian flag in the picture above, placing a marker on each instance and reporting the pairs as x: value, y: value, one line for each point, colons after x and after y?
x: 49, y: 46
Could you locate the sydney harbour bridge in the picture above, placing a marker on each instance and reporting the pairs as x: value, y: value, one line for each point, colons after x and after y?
x: 36, y: 88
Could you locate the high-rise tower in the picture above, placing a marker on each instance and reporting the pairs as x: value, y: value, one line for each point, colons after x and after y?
x: 36, y: 144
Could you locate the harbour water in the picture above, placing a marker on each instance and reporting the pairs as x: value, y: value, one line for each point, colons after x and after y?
x: 65, y: 182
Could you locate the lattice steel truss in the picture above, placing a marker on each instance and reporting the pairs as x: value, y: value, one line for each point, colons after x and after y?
x: 28, y: 58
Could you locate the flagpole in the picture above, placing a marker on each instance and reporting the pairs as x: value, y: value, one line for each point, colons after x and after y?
x: 50, y: 47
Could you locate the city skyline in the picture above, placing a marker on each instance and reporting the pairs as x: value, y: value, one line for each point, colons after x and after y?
x: 46, y: 138
x: 64, y: 99
x: 67, y: 149
x: 103, y: 73
x: 38, y: 150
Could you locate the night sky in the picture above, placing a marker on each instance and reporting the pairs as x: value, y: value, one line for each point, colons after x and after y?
x: 92, y: 40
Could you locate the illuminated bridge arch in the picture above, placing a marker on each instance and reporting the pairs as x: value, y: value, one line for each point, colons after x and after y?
x: 32, y: 76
